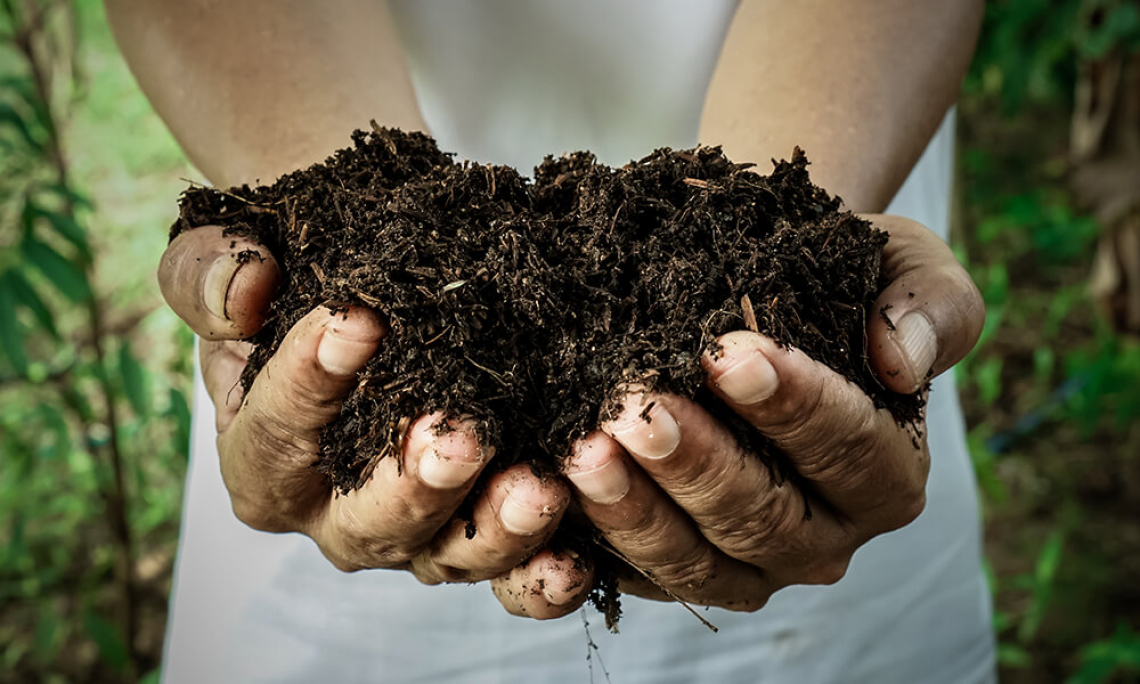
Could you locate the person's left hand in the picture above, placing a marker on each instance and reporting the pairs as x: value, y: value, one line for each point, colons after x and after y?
x: 678, y: 498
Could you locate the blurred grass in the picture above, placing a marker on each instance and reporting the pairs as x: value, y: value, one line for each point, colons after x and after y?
x: 1051, y: 394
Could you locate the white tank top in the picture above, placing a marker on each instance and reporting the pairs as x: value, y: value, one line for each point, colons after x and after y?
x: 509, y: 81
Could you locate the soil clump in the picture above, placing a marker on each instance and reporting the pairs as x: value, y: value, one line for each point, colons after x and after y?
x: 525, y: 303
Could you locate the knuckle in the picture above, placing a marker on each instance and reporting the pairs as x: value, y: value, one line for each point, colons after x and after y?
x: 451, y: 574
x: 907, y: 510
x: 363, y: 546
x: 343, y: 563
x: 495, y: 559
x: 687, y: 576
x: 257, y: 515
x: 747, y: 604
x: 970, y: 306
x: 771, y: 523
x: 826, y: 572
x: 283, y: 442
x: 840, y: 455
x: 431, y: 572
x: 797, y: 426
x: 306, y: 390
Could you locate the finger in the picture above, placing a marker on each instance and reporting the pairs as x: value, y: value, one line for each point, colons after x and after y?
x: 515, y: 516
x: 930, y: 315
x: 397, y: 513
x: 549, y: 585
x: 268, y: 449
x: 730, y: 494
x: 653, y: 534
x: 222, y: 365
x: 855, y: 456
x: 221, y: 286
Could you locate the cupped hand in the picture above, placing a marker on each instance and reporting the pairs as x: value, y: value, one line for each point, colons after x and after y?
x: 268, y: 439
x: 674, y: 494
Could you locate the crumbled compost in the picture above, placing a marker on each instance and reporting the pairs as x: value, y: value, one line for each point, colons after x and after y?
x: 525, y: 303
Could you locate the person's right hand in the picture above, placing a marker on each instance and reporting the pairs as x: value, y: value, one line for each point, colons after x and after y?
x: 268, y: 438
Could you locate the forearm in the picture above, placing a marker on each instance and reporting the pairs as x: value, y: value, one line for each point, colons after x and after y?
x: 861, y: 86
x: 257, y: 88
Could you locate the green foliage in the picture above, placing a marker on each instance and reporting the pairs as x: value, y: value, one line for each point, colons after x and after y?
x: 1104, y: 658
x: 1110, y: 396
x: 107, y: 638
x: 1117, y: 25
x: 1026, y: 51
x: 1051, y: 393
x: 90, y: 428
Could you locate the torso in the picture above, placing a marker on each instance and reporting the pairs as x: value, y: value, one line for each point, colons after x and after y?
x: 509, y: 81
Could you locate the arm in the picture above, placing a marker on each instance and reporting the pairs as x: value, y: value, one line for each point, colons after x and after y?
x: 861, y: 86
x: 257, y: 88
x: 251, y: 90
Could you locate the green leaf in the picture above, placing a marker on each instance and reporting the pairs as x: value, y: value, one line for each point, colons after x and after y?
x: 78, y: 402
x: 77, y: 199
x: 26, y: 296
x: 25, y: 87
x: 57, y: 424
x: 66, y: 277
x: 152, y: 677
x: 1012, y: 655
x: 985, y: 466
x: 70, y: 230
x: 11, y: 340
x: 988, y: 378
x: 106, y: 637
x: 1044, y: 576
x: 46, y: 642
x: 180, y: 411
x: 135, y: 381
x: 1100, y: 660
x: 8, y: 115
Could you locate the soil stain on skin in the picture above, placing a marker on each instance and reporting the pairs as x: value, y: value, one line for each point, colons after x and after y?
x: 526, y: 303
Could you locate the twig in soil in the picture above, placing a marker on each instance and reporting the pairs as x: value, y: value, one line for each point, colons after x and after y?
x: 243, y: 200
x: 749, y: 314
x: 437, y: 337
x: 488, y: 371
x: 653, y: 580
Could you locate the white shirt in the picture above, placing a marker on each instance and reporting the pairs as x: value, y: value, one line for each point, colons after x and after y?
x: 509, y: 81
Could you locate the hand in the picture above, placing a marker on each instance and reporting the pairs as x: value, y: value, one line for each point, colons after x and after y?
x: 268, y: 439
x: 680, y: 500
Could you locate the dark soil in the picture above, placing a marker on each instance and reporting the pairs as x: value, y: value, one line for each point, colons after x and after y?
x: 525, y: 303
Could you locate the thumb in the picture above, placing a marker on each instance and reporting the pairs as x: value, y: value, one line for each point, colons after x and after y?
x: 267, y: 451
x: 221, y: 286
x: 930, y: 314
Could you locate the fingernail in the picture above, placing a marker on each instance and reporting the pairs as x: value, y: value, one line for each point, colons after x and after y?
x: 750, y: 380
x: 341, y: 352
x: 606, y: 482
x: 915, y: 335
x: 217, y: 285
x: 569, y: 584
x: 522, y: 517
x: 558, y: 593
x: 445, y: 472
x: 650, y: 434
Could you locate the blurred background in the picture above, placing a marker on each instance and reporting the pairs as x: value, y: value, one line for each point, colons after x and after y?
x: 95, y: 371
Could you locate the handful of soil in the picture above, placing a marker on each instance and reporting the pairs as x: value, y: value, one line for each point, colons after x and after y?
x: 525, y: 303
